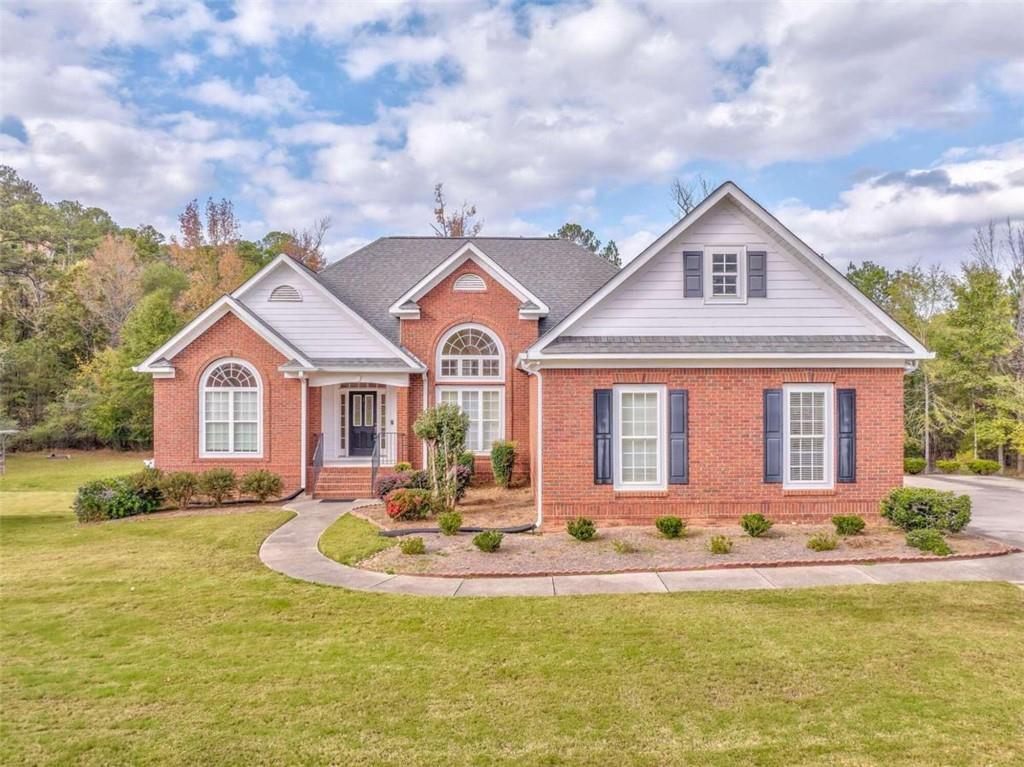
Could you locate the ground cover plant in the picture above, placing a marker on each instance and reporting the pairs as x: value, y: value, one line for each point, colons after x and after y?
x: 755, y: 525
x: 822, y: 542
x: 670, y: 527
x: 581, y: 528
x: 848, y: 524
x: 929, y: 540
x: 165, y: 641
x: 488, y: 540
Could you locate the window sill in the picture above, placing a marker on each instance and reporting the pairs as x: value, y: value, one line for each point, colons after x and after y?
x: 807, y: 491
x: 621, y: 492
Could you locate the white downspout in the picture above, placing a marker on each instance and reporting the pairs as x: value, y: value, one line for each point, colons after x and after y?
x: 426, y: 404
x: 303, y: 431
x: 539, y: 463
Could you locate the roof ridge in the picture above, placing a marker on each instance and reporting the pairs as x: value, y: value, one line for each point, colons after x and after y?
x: 477, y: 237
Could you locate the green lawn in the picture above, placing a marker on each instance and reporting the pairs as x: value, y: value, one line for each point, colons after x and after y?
x: 351, y: 539
x: 166, y: 641
x: 35, y: 471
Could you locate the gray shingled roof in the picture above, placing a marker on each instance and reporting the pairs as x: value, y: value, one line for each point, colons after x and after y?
x: 725, y: 345
x: 351, y: 363
x: 558, y: 272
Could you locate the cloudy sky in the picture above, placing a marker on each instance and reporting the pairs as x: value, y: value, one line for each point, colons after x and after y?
x: 874, y: 131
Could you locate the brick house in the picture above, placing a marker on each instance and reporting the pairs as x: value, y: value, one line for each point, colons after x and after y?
x: 727, y: 369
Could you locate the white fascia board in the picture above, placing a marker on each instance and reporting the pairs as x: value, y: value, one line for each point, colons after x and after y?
x: 706, y: 361
x: 455, y: 260
x: 311, y: 279
x: 191, y: 331
x: 729, y: 189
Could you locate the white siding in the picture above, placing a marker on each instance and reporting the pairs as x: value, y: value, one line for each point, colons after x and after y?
x: 651, y: 301
x: 316, y: 325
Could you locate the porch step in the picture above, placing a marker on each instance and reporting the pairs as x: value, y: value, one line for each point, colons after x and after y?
x: 343, y: 482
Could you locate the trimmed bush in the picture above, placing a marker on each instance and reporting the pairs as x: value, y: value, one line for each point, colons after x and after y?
x: 391, y: 480
x: 948, y: 466
x: 261, y: 484
x: 488, y: 540
x: 93, y: 500
x: 180, y: 487
x: 116, y: 498
x: 403, y: 466
x: 822, y: 542
x: 463, y: 476
x: 468, y: 460
x: 503, y: 456
x: 127, y: 502
x: 913, y: 465
x: 720, y: 544
x: 218, y: 484
x: 146, y: 484
x: 928, y: 539
x: 670, y: 527
x: 413, y: 546
x: 581, y: 528
x: 450, y: 522
x: 917, y: 508
x: 848, y: 524
x: 410, y: 503
x: 982, y: 466
x: 755, y: 525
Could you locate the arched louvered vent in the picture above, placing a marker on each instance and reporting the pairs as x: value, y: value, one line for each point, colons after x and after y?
x: 470, y: 283
x: 285, y: 293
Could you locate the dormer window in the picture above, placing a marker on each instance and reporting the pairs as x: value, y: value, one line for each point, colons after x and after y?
x: 725, y: 274
x: 285, y: 293
x: 470, y: 283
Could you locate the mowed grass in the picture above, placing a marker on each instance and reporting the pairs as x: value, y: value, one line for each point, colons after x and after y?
x: 165, y: 641
x: 351, y: 539
x: 37, y: 471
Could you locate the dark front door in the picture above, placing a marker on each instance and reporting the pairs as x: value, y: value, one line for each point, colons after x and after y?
x: 362, y: 422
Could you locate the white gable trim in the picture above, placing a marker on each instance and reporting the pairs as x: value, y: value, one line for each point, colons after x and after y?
x: 818, y: 264
x: 311, y: 279
x: 467, y: 252
x: 155, y: 362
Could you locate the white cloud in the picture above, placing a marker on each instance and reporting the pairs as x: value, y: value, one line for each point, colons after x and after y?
x: 184, y: 63
x: 269, y: 96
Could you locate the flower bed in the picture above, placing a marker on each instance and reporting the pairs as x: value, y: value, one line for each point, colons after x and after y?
x: 633, y: 549
x: 481, y: 507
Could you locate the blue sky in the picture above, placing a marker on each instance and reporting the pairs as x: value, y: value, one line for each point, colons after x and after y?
x: 874, y: 131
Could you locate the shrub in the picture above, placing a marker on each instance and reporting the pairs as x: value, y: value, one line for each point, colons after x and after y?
x: 261, y: 484
x: 93, y: 500
x: 391, y: 480
x: 488, y: 540
x: 720, y: 544
x: 125, y: 501
x: 915, y: 508
x: 948, y: 466
x: 928, y: 539
x: 450, y: 522
x: 581, y: 528
x: 670, y: 527
x: 403, y: 466
x: 625, y: 547
x: 443, y: 427
x: 468, y: 460
x: 413, y: 546
x: 419, y: 480
x: 217, y: 484
x: 146, y: 484
x: 180, y: 487
x: 410, y: 503
x: 848, y: 525
x: 462, y: 480
x: 982, y: 466
x: 913, y: 465
x: 503, y: 455
x: 755, y: 525
x: 822, y: 542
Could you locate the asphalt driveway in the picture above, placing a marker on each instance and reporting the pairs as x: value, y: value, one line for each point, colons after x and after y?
x: 997, y: 503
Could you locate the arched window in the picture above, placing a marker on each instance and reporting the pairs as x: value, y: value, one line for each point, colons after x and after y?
x: 470, y: 283
x: 470, y: 352
x: 285, y: 293
x: 230, y: 410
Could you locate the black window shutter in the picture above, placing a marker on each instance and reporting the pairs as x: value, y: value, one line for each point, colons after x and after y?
x: 757, y: 274
x: 773, y: 435
x: 846, y: 407
x: 678, y: 447
x: 693, y: 273
x: 602, y: 436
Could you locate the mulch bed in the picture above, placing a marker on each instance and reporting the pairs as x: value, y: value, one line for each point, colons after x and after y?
x: 560, y: 554
x: 486, y: 506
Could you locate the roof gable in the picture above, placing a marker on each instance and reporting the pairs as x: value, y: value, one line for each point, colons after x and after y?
x: 807, y: 296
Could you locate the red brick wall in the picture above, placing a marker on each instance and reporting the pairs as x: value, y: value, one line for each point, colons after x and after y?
x: 442, y: 309
x: 725, y: 447
x: 176, y: 405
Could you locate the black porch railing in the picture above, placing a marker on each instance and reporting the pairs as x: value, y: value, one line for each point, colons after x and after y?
x: 318, y: 462
x: 387, y: 446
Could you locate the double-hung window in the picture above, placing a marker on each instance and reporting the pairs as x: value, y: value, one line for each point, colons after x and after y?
x: 725, y: 270
x: 485, y: 409
x: 230, y: 411
x: 639, y: 434
x: 809, y: 437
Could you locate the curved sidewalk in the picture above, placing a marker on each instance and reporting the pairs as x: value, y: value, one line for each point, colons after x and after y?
x: 292, y: 550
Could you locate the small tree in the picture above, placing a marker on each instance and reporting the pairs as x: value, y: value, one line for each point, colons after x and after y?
x: 443, y: 428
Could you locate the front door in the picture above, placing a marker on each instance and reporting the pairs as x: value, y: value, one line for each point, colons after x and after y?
x: 362, y: 422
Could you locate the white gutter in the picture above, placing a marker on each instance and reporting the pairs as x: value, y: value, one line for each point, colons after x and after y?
x: 303, y: 431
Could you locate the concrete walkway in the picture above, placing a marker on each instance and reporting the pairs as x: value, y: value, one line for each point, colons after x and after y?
x: 292, y: 550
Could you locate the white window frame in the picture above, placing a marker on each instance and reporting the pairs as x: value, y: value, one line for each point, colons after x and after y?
x: 828, y: 482
x: 741, y: 280
x: 203, y: 389
x: 501, y: 408
x: 469, y: 379
x: 662, y: 453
